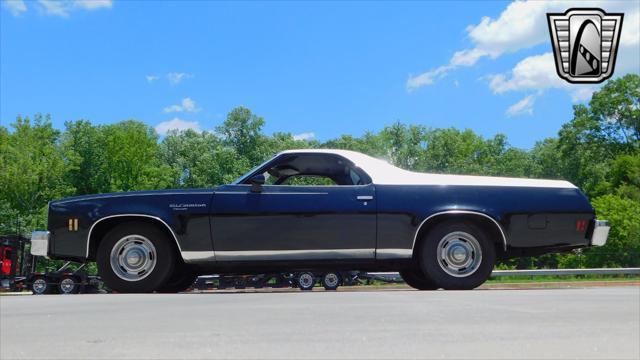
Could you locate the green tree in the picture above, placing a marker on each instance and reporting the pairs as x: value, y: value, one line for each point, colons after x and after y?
x: 33, y: 168
x: 599, y: 133
x: 200, y: 159
x: 132, y: 157
x: 84, y: 146
x: 617, y: 109
x: 404, y: 144
x: 242, y: 131
x: 623, y: 245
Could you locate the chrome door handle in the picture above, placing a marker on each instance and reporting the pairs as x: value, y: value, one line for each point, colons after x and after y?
x: 365, y: 197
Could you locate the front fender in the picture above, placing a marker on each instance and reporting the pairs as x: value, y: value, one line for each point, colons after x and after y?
x: 187, y: 226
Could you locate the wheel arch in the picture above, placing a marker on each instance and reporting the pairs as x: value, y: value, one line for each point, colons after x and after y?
x: 485, y: 221
x: 101, y: 226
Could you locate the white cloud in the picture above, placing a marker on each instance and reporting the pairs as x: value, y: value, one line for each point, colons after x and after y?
x: 582, y: 93
x: 93, y: 4
x: 427, y: 78
x: 186, y: 105
x: 304, y: 136
x: 15, y: 7
x: 522, y: 25
x: 176, y: 124
x: 63, y: 8
x: 524, y: 106
x: 538, y: 72
x: 56, y: 8
x: 152, y: 78
x: 177, y: 77
x: 534, y: 72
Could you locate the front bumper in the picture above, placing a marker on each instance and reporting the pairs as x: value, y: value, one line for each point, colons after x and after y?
x: 600, y: 232
x: 40, y: 243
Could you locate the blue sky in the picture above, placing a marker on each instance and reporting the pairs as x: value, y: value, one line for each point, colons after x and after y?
x: 311, y: 69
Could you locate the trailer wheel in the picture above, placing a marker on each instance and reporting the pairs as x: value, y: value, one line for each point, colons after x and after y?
x: 331, y: 281
x: 306, y: 281
x: 39, y: 286
x: 68, y: 285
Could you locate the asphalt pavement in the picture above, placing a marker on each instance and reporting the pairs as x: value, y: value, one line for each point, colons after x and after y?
x: 588, y: 323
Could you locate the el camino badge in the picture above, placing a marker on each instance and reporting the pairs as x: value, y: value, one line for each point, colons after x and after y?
x: 186, y: 206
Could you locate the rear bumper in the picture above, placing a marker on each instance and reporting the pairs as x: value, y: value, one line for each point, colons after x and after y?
x: 600, y: 232
x: 40, y: 243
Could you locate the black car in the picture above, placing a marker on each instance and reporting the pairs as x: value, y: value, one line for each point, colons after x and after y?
x: 315, y: 209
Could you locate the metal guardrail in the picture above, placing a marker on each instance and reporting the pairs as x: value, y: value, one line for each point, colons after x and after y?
x: 391, y: 276
x: 560, y: 272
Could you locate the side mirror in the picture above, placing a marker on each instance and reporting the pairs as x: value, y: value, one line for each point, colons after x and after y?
x: 256, y: 183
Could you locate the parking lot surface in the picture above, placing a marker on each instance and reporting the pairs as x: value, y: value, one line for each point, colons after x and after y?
x: 557, y: 323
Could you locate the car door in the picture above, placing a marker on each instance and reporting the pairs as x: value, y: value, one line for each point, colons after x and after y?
x: 288, y: 222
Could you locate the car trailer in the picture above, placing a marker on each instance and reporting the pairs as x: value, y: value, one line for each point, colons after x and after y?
x: 304, y: 280
x: 64, y: 281
x: 18, y: 272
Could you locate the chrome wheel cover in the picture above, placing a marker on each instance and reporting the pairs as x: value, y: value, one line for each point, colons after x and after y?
x: 331, y: 280
x: 39, y: 286
x: 67, y: 285
x: 306, y: 280
x: 459, y: 254
x: 133, y: 258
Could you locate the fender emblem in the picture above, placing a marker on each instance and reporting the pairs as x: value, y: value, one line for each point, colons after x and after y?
x: 186, y: 206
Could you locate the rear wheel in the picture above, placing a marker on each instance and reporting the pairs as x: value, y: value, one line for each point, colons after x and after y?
x: 416, y: 279
x: 457, y: 256
x: 135, y: 258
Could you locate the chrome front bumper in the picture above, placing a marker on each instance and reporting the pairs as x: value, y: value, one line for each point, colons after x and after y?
x: 600, y: 232
x: 40, y: 243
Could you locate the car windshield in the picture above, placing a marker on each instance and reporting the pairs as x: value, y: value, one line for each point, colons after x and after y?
x: 245, y: 175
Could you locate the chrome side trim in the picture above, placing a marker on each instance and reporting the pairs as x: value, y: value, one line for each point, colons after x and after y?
x: 504, y: 238
x: 198, y: 256
x: 271, y: 193
x: 131, y: 215
x: 295, y: 254
x: 394, y: 253
x: 63, y: 201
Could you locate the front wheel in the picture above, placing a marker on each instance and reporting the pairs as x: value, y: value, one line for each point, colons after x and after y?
x: 135, y: 258
x: 181, y: 279
x: 416, y: 279
x: 457, y: 255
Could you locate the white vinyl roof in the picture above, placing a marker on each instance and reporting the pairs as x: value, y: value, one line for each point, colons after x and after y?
x: 383, y: 173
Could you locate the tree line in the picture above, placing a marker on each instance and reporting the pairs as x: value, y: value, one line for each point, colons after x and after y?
x: 598, y: 150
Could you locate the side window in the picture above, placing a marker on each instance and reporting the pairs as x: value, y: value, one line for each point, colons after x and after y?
x: 313, y: 170
x: 312, y: 180
x: 355, y: 178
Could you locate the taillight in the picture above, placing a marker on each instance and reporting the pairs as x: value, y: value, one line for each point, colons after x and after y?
x: 581, y: 225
